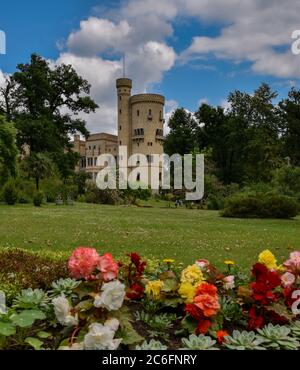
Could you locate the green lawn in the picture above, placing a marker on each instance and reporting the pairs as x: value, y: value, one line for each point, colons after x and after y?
x: 174, y: 233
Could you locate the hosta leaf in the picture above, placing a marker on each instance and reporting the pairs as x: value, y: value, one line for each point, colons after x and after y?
x: 7, y: 329
x: 34, y: 343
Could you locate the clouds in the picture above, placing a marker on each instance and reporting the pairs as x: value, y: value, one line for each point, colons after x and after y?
x: 98, y: 35
x: 258, y: 32
x: 95, y: 51
x: 254, y: 31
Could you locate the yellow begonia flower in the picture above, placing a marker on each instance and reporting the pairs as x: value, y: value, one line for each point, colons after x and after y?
x: 168, y: 261
x: 229, y: 262
x: 187, y: 292
x: 154, y: 288
x: 268, y: 259
x: 192, y: 274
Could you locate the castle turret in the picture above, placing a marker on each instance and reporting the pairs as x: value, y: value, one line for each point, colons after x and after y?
x: 124, y: 86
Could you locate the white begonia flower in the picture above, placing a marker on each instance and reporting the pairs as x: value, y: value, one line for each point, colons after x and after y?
x: 112, y: 323
x: 101, y: 337
x: 62, y: 311
x: 111, y: 296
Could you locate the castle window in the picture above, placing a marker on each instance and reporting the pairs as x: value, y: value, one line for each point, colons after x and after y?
x: 120, y: 142
x: 138, y: 113
x: 120, y: 128
x: 120, y: 111
x: 138, y: 177
x: 120, y: 97
x: 149, y: 158
x: 160, y: 116
x: 95, y: 161
x: 150, y: 115
x: 150, y: 143
x: 160, y: 176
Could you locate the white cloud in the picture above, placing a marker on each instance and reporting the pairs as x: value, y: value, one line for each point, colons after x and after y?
x: 171, y: 106
x: 253, y: 31
x: 97, y: 35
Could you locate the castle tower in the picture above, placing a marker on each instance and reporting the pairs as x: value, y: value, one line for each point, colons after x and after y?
x: 124, y: 86
x: 140, y: 122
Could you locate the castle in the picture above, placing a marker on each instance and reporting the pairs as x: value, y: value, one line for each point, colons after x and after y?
x: 140, y: 129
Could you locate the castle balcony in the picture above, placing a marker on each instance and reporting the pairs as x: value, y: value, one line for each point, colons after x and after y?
x: 160, y: 137
x: 138, y: 138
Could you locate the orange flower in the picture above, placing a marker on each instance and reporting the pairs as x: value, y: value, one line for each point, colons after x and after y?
x: 206, y: 288
x: 221, y: 334
x: 207, y: 299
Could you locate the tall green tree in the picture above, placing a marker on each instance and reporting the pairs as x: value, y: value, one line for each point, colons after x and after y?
x: 181, y: 138
x: 290, y: 124
x: 224, y: 135
x: 8, y: 150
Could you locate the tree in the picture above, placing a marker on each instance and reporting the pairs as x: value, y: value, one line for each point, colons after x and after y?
x: 224, y: 135
x: 45, y: 102
x: 290, y: 124
x: 181, y: 138
x: 38, y: 166
x: 8, y: 150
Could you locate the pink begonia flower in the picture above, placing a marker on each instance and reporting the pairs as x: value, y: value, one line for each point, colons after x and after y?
x: 202, y: 263
x: 108, y: 267
x: 83, y: 263
x: 287, y: 279
x: 228, y: 282
x: 293, y: 263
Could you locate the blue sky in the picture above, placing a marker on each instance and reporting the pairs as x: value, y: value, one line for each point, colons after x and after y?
x: 190, y: 51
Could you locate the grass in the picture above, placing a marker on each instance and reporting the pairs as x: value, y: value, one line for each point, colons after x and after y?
x: 182, y: 234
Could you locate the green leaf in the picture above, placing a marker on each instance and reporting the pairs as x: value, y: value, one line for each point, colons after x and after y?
x: 27, y: 318
x: 189, y: 324
x: 43, y: 335
x: 34, y: 342
x: 85, y: 305
x: 128, y: 334
x: 7, y: 329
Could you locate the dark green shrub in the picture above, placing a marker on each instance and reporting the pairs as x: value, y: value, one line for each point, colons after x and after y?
x: 24, y: 199
x: 215, y: 202
x: 10, y: 192
x: 38, y: 198
x: 260, y: 205
x: 97, y: 196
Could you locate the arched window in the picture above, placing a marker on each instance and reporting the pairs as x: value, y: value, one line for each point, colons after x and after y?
x: 138, y: 177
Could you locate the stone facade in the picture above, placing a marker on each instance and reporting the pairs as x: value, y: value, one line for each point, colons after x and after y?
x: 91, y: 148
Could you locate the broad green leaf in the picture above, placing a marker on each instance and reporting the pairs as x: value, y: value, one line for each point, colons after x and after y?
x: 7, y: 329
x: 34, y: 342
x: 27, y: 317
x: 128, y: 334
x: 43, y: 334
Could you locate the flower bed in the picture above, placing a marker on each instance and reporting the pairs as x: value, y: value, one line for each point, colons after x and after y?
x: 146, y: 304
